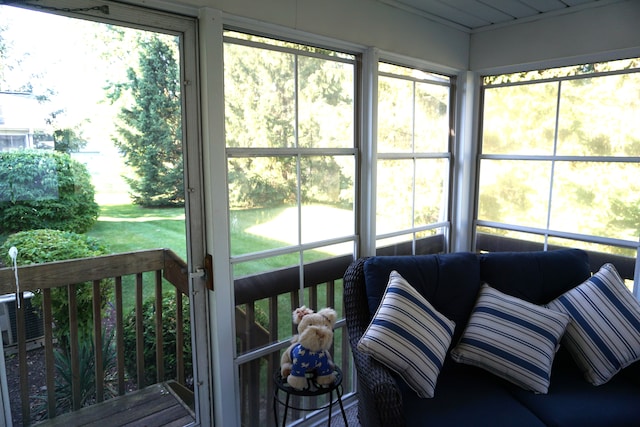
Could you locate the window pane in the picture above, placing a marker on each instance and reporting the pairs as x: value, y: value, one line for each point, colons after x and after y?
x: 519, y: 119
x: 431, y: 190
x: 490, y: 239
x: 394, y: 195
x: 514, y: 192
x: 326, y: 252
x: 322, y: 222
x: 259, y: 97
x: 594, y: 247
x: 326, y: 107
x: 327, y: 195
x: 262, y: 197
x: 432, y: 118
x: 264, y: 265
x: 394, y: 242
x: 599, y: 116
x: 395, y: 115
x: 599, y: 199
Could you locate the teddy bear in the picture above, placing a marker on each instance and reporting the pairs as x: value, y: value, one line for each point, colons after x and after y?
x: 308, y: 352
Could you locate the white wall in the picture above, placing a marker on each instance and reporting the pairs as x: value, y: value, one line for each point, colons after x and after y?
x: 610, y: 31
x: 364, y: 22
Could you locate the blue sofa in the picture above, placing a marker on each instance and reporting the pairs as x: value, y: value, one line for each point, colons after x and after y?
x: 467, y: 395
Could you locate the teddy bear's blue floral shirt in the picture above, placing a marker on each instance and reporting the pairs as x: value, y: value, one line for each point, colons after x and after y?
x: 304, y: 360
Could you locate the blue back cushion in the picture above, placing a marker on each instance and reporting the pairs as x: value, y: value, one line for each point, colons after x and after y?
x: 450, y: 282
x: 537, y: 277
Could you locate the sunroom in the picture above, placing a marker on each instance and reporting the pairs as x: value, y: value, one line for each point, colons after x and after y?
x: 314, y: 133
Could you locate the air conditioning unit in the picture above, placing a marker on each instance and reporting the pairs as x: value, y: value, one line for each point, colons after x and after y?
x: 32, y: 316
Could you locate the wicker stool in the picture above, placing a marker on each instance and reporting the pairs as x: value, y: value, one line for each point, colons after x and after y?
x: 313, y: 389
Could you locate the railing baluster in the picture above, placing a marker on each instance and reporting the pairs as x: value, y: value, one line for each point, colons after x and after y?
x: 22, y: 357
x: 273, y: 360
x: 158, y: 324
x: 74, y: 347
x: 331, y: 295
x: 254, y: 368
x: 139, y: 333
x: 97, y: 341
x: 313, y: 298
x: 295, y: 301
x: 180, y: 339
x: 346, y: 352
x: 119, y: 335
x: 48, y: 353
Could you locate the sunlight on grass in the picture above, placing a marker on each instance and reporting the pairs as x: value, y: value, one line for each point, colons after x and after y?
x: 319, y: 223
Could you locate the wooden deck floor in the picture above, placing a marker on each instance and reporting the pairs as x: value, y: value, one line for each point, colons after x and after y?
x: 158, y: 405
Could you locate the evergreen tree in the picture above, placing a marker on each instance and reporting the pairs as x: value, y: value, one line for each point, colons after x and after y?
x: 150, y: 132
x: 266, y: 108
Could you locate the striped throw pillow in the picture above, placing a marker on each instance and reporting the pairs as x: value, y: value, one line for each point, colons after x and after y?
x: 604, y: 334
x: 408, y: 335
x: 512, y: 338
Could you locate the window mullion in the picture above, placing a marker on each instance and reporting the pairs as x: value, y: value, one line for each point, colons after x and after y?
x: 553, y: 162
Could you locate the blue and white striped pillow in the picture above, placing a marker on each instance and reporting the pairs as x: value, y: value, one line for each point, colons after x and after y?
x: 512, y: 338
x: 604, y: 335
x: 408, y: 335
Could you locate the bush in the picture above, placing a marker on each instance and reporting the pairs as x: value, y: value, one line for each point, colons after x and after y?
x: 41, y: 246
x: 45, y: 189
x: 169, y: 306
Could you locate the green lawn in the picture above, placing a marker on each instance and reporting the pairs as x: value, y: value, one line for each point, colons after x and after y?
x: 125, y: 228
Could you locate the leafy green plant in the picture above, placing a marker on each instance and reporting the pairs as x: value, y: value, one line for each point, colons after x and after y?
x: 41, y: 246
x: 169, y: 324
x: 45, y: 189
x: 87, y: 376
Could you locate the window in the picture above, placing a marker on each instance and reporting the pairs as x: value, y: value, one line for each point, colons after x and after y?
x: 290, y: 129
x: 413, y: 156
x: 560, y: 158
x: 289, y: 121
x: 11, y: 142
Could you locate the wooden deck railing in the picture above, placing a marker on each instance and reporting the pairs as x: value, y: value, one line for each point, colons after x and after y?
x: 323, y: 283
x: 115, y: 272
x: 494, y: 243
x: 264, y: 304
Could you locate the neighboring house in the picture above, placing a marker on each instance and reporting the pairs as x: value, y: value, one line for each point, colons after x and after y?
x: 22, y: 122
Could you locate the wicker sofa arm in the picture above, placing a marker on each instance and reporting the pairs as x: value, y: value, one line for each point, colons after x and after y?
x: 379, y: 398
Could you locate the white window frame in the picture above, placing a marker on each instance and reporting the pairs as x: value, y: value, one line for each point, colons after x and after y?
x: 447, y: 210
x: 547, y: 232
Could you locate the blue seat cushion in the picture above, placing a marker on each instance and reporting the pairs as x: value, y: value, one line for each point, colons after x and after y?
x: 537, y: 277
x: 467, y: 396
x: 572, y: 401
x: 450, y: 282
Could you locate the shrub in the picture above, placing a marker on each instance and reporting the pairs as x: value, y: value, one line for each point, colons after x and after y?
x: 45, y: 189
x: 169, y: 307
x: 41, y: 246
